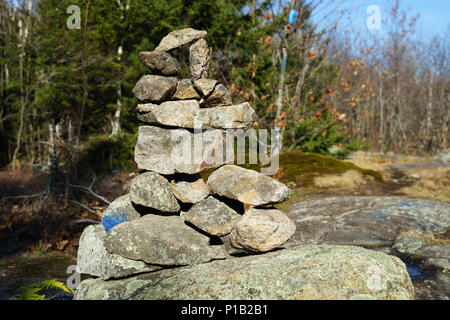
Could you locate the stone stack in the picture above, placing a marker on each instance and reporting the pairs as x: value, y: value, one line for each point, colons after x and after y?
x: 160, y: 240
x: 171, y: 217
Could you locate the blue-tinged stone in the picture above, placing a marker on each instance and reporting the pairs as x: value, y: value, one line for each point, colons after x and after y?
x: 109, y: 221
x: 119, y: 211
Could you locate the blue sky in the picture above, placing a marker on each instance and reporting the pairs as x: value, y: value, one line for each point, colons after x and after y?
x: 434, y: 14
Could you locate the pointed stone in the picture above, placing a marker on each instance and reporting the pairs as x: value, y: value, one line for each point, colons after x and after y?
x: 188, y: 114
x: 95, y: 260
x: 162, y: 240
x: 152, y: 190
x: 205, y: 86
x: 219, y: 97
x: 155, y: 88
x: 178, y: 38
x: 247, y: 186
x: 190, y: 192
x: 199, y: 59
x: 185, y: 91
x: 212, y: 216
x: 262, y: 230
x: 160, y: 62
x: 169, y: 151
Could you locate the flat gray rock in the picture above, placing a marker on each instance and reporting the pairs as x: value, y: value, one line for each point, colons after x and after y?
x: 366, y: 221
x: 120, y: 210
x: 188, y: 114
x: 301, y: 273
x: 212, y: 216
x: 161, y: 240
x: 262, y: 230
x: 199, y: 59
x: 247, y: 186
x: 155, y: 88
x: 185, y: 91
x: 160, y: 62
x: 178, y: 38
x: 95, y: 260
x: 190, y: 192
x: 169, y: 151
x: 152, y: 190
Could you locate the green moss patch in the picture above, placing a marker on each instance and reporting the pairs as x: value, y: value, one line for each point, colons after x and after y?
x: 302, y: 168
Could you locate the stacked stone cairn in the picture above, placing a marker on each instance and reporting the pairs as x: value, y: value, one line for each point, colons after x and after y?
x: 171, y: 217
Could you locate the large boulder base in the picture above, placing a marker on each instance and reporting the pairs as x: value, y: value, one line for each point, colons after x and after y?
x: 95, y: 260
x: 162, y: 240
x: 247, y: 186
x: 387, y: 224
x: 302, y: 273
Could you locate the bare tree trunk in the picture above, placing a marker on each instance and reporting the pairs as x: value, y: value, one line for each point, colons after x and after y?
x: 68, y: 161
x: 445, y: 121
x: 53, y: 159
x: 429, y: 107
x: 22, y: 97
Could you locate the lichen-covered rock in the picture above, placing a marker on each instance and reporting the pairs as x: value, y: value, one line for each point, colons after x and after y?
x: 95, y: 260
x: 262, y: 230
x: 212, y: 216
x: 366, y: 221
x: 205, y: 86
x: 161, y: 240
x: 185, y: 91
x: 169, y: 151
x: 178, y: 38
x: 120, y: 210
x: 199, y: 59
x: 219, y: 97
x: 247, y: 186
x: 190, y: 192
x: 302, y: 273
x: 160, y: 62
x: 155, y: 88
x: 152, y: 190
x: 188, y: 114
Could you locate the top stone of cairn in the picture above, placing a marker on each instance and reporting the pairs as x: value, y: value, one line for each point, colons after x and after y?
x: 178, y: 38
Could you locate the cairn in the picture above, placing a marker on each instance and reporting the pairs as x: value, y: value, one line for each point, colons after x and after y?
x: 171, y: 217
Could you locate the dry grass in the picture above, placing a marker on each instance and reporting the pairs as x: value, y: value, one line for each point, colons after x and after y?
x: 348, y: 180
x: 434, y: 184
x: 368, y: 161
